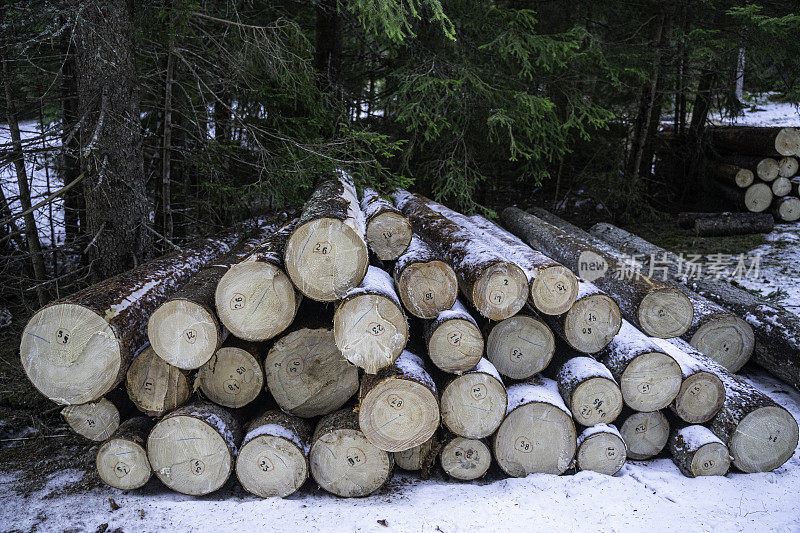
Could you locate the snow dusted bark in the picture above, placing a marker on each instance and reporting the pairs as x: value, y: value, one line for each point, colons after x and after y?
x: 715, y: 224
x: 233, y: 377
x: 465, y: 459
x: 399, y: 407
x: 454, y: 340
x: 273, y: 457
x: 122, y: 460
x: 78, y: 348
x: 426, y: 283
x: 492, y: 282
x: 601, y: 449
x: 589, y: 390
x: 388, y: 231
x: 696, y: 451
x: 326, y: 254
x: 755, y: 140
x: 474, y: 404
x: 156, y: 387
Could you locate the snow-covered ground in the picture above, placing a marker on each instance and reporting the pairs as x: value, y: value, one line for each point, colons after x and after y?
x: 761, y: 111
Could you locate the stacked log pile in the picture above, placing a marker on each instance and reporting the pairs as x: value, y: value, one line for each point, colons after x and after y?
x: 291, y: 357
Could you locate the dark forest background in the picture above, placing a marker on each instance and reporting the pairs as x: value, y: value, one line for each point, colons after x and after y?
x: 159, y: 121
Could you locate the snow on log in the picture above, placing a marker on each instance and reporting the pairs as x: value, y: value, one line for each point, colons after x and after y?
x: 495, y: 285
x: 255, y: 299
x: 78, y: 348
x: 193, y: 448
x: 520, y: 346
x: 343, y: 461
x: 273, y: 457
x: 589, y: 390
x: 788, y: 167
x: 122, y: 460
x: 388, y: 231
x: 648, y: 377
x: 755, y: 140
x: 776, y: 330
x: 474, y: 404
x: 426, y: 284
x: 601, y: 449
x: 156, y: 387
x: 399, y: 407
x: 656, y: 308
x: 454, y: 340
x: 95, y: 420
x: 465, y: 459
x: 696, y: 451
x: 538, y: 434
x: 307, y: 374
x: 781, y: 187
x: 732, y: 174
x: 233, y: 376
x: 326, y: 254
x: 787, y: 209
x: 369, y: 325
x: 185, y: 330
x: 421, y: 457
x: 645, y: 434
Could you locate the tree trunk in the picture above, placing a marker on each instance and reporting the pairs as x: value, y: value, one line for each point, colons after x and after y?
x: 122, y: 460
x: 645, y: 434
x: 787, y: 209
x: 589, y: 390
x: 388, y: 231
x: 764, y: 168
x: 426, y: 284
x: 70, y: 144
x: 696, y: 451
x: 233, y: 377
x: 719, y: 224
x: 520, y: 346
x: 756, y: 140
x: 474, y: 404
x: 328, y: 49
x: 166, y: 150
x: 454, y: 340
x: 465, y: 459
x: 155, y: 386
x: 601, y: 449
x: 111, y: 144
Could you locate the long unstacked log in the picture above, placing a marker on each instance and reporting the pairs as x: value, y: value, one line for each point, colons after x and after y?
x: 719, y: 224
x: 454, y: 340
x: 122, y: 460
x: 755, y: 140
x: 787, y: 209
x: 776, y: 330
x: 255, y: 299
x: 233, y: 376
x: 388, y: 231
x: 155, y: 386
x: 696, y: 451
x: 645, y: 434
x: 520, y: 346
x: 495, y: 285
x: 601, y: 449
x: 326, y: 254
x: 78, y: 348
x: 465, y: 459
x: 763, y: 168
x: 589, y: 390
x: 732, y: 174
x: 474, y: 404
x: 185, y: 330
x: 657, y: 308
x: 714, y: 330
x: 426, y: 284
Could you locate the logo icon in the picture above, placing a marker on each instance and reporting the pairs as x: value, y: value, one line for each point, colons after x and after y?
x: 591, y: 266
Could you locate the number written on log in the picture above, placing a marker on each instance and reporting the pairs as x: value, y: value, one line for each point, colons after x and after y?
x: 395, y: 402
x: 644, y: 387
x: 231, y: 386
x: 611, y: 452
x: 428, y: 296
x: 376, y: 329
x: 190, y: 335
x: 265, y: 464
x: 478, y: 392
x: 387, y: 235
x: 356, y: 457
x: 322, y: 248
x: 454, y: 338
x: 295, y: 367
x: 516, y: 355
x: 238, y: 301
x: 63, y: 336
x: 497, y: 297
x: 523, y: 444
x: 197, y: 467
x: 560, y: 287
x: 90, y: 422
x: 641, y: 428
x: 121, y: 469
x: 468, y: 459
x: 596, y: 407
x: 708, y: 464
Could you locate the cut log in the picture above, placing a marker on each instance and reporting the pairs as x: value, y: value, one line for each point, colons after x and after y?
x: 656, y: 308
x: 776, y: 330
x: 419, y: 457
x: 426, y: 284
x: 185, y: 331
x: 732, y: 174
x: 589, y: 391
x: 95, y: 421
x: 326, y: 254
x: 755, y: 140
x: 156, y: 387
x: 714, y: 330
x: 474, y: 403
x: 788, y: 167
x: 702, y: 392
x: 122, y: 460
x: 538, y: 434
x: 78, y: 348
x: 255, y: 299
x: 192, y: 449
x: 232, y: 377
x: 696, y: 451
x: 764, y: 168
x: 465, y: 459
x: 520, y: 346
x: 781, y: 187
x: 369, y: 325
x: 723, y: 224
x: 649, y: 378
x: 787, y: 209
x: 454, y: 340
x: 592, y: 321
x: 388, y: 230
x: 758, y: 197
x: 601, y: 449
x: 496, y: 286
x: 343, y: 461
x: 307, y: 374
x: 399, y: 407
x: 273, y: 458
x: 645, y: 434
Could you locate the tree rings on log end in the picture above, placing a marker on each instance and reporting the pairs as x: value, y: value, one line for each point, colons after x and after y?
x: 592, y: 322
x: 767, y: 169
x: 271, y: 466
x: 603, y: 452
x: 184, y: 333
x: 787, y: 141
x: 764, y: 439
x: 645, y: 434
x: 370, y: 330
x: 597, y: 400
x: 744, y: 178
x: 94, y: 420
x: 701, y: 396
x: 231, y: 378
x: 651, y: 381
x: 465, y: 459
x: 554, y: 290
x: 388, y: 235
x: 345, y: 463
x: 727, y: 339
x: 520, y: 346
x: 155, y: 386
x: 70, y: 354
x: 474, y: 405
x: 788, y: 167
x: 712, y: 459
x: 426, y: 289
x: 456, y: 346
x: 665, y: 313
x: 123, y: 464
x: 788, y: 209
x: 500, y: 291
x: 256, y: 300
x: 758, y: 197
x: 781, y: 186
x: 325, y: 258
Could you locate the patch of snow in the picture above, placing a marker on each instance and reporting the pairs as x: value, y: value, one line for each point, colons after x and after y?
x: 762, y: 112
x: 696, y: 436
x: 539, y: 389
x: 411, y: 365
x: 276, y: 430
x: 599, y: 428
x: 485, y: 366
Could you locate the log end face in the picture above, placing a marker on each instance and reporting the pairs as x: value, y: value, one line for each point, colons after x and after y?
x: 426, y: 289
x: 345, y: 463
x: 767, y: 169
x: 712, y: 459
x: 645, y: 434
x: 388, y: 235
x: 764, y: 439
x: 554, y: 290
x: 787, y: 141
x: 183, y: 333
x: 456, y: 346
x: 758, y: 197
x: 155, y: 386
x: 744, y: 178
x: 500, y: 291
x: 465, y: 459
x: 597, y: 400
x: 602, y: 452
x: 665, y: 313
x: 123, y: 464
x: 592, y: 323
x: 94, y: 420
x: 269, y: 466
x: 70, y: 354
x: 701, y: 396
x: 651, y: 381
x: 788, y: 209
x: 474, y: 405
x: 231, y: 378
x: 727, y: 339
x: 520, y: 346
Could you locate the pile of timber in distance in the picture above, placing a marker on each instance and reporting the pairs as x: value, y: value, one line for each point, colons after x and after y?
x: 517, y: 362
